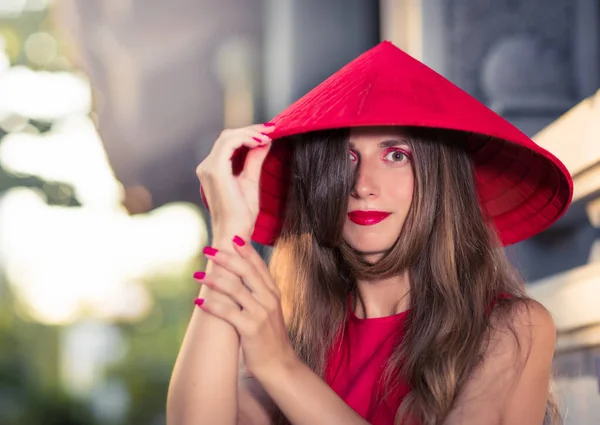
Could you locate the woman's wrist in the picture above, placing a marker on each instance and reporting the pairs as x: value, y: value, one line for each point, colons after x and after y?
x: 223, y: 237
x: 281, y: 373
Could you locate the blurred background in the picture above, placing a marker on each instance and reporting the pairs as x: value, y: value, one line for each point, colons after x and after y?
x: 107, y: 106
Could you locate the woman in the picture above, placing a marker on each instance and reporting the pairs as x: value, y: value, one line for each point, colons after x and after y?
x: 387, y: 193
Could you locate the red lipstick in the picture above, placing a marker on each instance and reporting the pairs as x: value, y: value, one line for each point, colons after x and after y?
x: 367, y: 218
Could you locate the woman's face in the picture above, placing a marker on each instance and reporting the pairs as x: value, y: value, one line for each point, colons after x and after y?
x: 381, y: 197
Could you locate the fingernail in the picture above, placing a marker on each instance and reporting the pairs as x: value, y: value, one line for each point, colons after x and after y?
x: 238, y: 241
x: 199, y: 301
x: 257, y: 139
x: 208, y: 250
x: 199, y: 275
x: 266, y: 135
x: 269, y: 124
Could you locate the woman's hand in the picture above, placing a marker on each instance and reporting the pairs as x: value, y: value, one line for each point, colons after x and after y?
x: 233, y: 200
x: 256, y: 315
x: 253, y: 308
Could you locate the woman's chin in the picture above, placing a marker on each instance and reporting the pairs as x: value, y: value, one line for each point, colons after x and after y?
x: 372, y: 258
x: 371, y: 244
x: 372, y: 253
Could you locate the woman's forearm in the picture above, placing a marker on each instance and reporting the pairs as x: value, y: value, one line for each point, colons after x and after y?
x: 306, y: 399
x: 203, y: 388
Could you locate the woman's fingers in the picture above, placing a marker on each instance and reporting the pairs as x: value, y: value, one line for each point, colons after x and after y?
x: 261, y: 137
x: 231, y: 140
x: 245, y: 270
x: 247, y: 252
x: 260, y: 131
x: 225, y: 146
x: 255, y: 158
x: 227, y: 312
x: 228, y: 142
x: 235, y: 291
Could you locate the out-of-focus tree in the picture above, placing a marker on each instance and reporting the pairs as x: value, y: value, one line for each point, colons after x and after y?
x: 31, y: 385
x: 153, y: 344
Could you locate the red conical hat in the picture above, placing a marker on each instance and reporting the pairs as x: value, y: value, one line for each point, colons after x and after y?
x: 521, y: 186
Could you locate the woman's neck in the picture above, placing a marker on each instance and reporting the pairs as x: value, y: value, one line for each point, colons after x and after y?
x: 381, y: 298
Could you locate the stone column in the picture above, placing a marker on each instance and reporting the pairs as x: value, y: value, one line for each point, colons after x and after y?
x: 307, y: 40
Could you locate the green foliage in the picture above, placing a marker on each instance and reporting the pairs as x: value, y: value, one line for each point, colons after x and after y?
x: 153, y: 344
x: 30, y: 393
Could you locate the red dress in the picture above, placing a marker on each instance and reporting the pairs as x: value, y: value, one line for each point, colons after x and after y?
x: 356, y: 363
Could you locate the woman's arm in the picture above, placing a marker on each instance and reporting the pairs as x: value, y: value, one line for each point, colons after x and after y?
x: 511, y: 385
x: 305, y: 398
x: 206, y: 380
x: 255, y: 407
x: 203, y: 387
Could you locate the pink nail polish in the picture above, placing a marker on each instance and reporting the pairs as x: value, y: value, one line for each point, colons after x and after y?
x: 238, y: 241
x: 199, y: 301
x: 209, y: 250
x: 265, y: 134
x: 269, y: 124
x: 257, y: 139
x: 199, y: 275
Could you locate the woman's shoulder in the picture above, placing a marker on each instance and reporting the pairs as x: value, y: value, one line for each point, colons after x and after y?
x: 512, y: 379
x: 522, y: 337
x: 528, y: 318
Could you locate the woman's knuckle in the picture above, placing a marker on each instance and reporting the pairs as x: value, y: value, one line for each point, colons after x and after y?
x: 245, y: 272
x: 200, y: 169
x: 205, y: 170
x: 237, y: 289
x: 228, y: 281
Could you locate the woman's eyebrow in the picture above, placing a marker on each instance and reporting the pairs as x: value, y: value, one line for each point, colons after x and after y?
x: 392, y: 142
x: 387, y: 143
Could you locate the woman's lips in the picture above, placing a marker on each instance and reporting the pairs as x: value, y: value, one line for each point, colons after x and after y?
x: 367, y: 218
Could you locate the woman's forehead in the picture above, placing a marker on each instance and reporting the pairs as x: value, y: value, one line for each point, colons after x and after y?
x: 377, y: 134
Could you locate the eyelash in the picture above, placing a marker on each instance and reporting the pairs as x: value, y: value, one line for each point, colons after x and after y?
x: 394, y: 151
x: 354, y: 157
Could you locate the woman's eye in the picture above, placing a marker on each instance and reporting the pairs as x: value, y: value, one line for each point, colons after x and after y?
x: 396, y: 156
x: 352, y: 156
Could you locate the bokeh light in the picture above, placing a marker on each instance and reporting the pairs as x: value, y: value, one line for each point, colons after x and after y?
x: 12, y: 8
x: 41, y: 48
x: 43, y: 95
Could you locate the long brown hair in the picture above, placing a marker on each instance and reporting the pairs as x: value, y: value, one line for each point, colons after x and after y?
x: 456, y: 266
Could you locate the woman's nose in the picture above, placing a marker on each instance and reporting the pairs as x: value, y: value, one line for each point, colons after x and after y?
x: 365, y: 184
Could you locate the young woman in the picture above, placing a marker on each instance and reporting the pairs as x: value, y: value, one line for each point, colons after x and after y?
x: 387, y: 193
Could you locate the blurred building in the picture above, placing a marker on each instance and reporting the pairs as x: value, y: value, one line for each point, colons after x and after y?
x: 170, y: 75
x: 573, y: 295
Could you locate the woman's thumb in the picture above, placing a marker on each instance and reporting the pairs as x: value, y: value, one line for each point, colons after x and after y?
x: 254, y: 162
